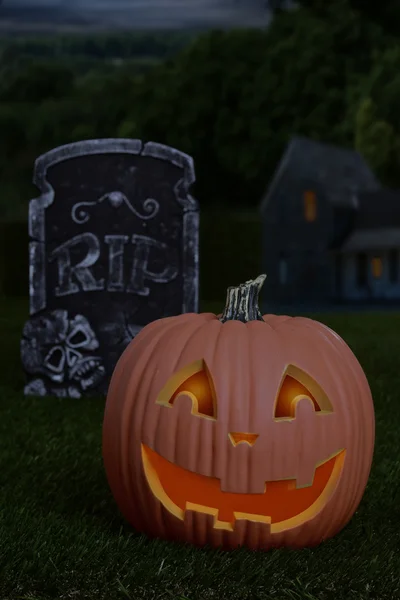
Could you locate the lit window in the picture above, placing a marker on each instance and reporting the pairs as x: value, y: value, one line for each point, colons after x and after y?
x: 310, y: 205
x: 376, y: 265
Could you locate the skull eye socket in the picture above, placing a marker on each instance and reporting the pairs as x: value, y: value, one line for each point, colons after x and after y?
x: 78, y: 337
x: 296, y: 386
x: 196, y: 382
x: 55, y: 359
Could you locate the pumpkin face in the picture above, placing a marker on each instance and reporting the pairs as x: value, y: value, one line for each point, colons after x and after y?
x: 256, y: 433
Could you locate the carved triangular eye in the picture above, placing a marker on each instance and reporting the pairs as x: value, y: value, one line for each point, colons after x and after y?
x: 297, y: 385
x: 195, y: 381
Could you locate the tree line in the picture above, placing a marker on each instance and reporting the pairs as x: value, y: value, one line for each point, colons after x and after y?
x: 231, y: 99
x: 104, y: 45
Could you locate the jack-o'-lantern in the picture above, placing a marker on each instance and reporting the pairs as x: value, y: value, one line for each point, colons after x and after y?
x: 238, y: 429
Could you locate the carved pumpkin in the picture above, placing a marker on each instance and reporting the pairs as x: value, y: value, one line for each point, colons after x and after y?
x: 238, y: 430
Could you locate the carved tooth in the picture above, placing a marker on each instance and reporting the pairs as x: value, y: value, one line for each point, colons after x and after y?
x: 256, y: 530
x: 307, y: 477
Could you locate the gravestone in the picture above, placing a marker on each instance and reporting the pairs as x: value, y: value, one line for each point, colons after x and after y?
x: 113, y: 246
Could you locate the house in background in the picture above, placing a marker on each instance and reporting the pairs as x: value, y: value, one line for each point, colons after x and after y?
x: 331, y: 233
x: 367, y: 262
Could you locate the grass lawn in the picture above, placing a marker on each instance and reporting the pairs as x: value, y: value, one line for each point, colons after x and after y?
x: 61, y: 535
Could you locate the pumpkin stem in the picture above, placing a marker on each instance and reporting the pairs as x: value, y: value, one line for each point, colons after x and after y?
x: 242, y: 302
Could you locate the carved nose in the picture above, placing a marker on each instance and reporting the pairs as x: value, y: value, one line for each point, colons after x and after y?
x: 243, y: 438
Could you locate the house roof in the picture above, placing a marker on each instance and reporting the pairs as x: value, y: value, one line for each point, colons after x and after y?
x: 372, y: 239
x: 376, y: 222
x: 341, y: 171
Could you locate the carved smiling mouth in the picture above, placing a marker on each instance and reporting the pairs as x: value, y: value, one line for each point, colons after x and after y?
x: 282, y: 505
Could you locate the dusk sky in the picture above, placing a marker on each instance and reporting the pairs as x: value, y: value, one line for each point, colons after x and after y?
x: 132, y: 13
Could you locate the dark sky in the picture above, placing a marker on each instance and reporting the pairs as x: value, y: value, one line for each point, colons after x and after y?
x: 35, y: 14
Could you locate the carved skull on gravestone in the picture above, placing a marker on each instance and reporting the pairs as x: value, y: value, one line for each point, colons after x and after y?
x: 60, y: 350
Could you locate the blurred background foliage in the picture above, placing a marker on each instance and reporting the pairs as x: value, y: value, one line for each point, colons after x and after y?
x: 231, y: 99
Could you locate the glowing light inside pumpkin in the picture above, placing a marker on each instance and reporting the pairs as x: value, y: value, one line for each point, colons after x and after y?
x: 282, y: 505
x: 297, y: 386
x: 245, y: 438
x: 195, y: 381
